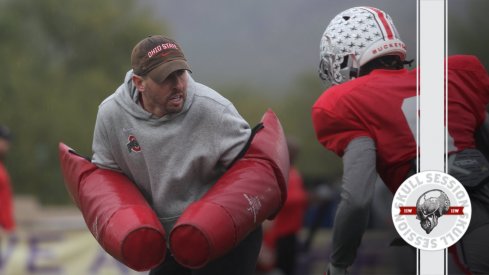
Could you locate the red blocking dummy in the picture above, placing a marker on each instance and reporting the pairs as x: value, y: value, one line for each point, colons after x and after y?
x: 115, y: 212
x: 252, y: 190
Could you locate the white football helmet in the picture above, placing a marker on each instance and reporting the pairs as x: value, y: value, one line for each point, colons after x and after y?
x: 355, y: 37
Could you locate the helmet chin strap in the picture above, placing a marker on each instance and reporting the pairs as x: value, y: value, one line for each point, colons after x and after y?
x: 408, y: 62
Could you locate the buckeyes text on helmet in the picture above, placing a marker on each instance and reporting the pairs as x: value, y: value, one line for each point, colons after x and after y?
x: 355, y: 37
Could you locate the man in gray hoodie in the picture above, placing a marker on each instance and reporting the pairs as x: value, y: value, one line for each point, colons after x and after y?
x: 173, y: 137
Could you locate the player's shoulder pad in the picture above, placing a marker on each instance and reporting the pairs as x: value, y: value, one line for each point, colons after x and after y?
x: 465, y: 62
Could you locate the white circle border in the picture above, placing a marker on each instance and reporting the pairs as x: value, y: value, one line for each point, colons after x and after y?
x: 406, y: 194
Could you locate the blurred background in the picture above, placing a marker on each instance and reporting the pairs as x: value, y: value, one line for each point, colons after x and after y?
x: 60, y: 59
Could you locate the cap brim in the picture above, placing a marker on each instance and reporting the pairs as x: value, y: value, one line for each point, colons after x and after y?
x: 160, y: 73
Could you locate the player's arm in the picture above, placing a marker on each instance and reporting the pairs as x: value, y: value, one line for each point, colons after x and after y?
x: 359, y: 176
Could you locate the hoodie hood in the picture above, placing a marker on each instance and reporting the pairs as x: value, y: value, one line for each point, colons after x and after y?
x: 127, y: 96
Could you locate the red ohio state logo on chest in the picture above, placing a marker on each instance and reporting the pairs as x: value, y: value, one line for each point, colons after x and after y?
x: 133, y: 144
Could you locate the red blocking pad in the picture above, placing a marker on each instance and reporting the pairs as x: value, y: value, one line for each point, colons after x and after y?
x: 252, y: 190
x: 115, y: 212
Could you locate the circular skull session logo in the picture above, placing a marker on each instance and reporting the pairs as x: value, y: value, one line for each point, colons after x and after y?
x: 431, y: 210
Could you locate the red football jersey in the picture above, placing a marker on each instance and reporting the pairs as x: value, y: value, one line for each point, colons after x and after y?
x: 382, y: 106
x: 468, y: 96
x: 7, y: 221
x: 290, y: 219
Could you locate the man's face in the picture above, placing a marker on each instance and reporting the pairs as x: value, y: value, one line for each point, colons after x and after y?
x: 167, y: 97
x: 4, y: 147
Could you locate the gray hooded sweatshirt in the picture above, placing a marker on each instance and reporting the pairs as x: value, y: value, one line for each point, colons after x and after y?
x: 174, y: 159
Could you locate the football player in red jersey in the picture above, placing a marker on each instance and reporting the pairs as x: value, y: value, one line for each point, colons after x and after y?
x: 368, y: 117
x: 7, y: 219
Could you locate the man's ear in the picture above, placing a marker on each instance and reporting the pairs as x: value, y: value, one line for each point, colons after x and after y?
x: 138, y: 82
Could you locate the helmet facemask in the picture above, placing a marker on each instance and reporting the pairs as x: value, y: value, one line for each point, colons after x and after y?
x: 336, y: 67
